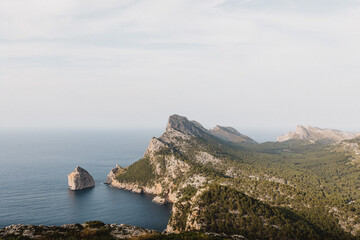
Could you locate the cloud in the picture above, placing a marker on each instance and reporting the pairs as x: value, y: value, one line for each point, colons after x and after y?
x: 89, y: 63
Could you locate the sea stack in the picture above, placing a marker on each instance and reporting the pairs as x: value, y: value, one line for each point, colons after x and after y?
x: 80, y: 179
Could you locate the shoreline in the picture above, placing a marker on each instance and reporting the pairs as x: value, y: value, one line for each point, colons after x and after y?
x: 91, y: 229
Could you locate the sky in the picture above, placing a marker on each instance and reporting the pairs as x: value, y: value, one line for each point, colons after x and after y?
x: 252, y: 64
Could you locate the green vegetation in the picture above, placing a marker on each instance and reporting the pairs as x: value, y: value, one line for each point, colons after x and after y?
x: 309, y: 181
x: 223, y: 209
x: 94, y: 224
x: 141, y: 172
x: 187, y: 193
x: 292, y: 189
x: 185, y: 236
x: 94, y: 230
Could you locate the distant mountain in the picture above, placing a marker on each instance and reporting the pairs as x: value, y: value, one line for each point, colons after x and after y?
x: 314, y: 134
x: 230, y: 134
x: 193, y: 128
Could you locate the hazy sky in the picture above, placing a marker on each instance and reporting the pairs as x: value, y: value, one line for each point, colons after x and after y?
x: 251, y: 64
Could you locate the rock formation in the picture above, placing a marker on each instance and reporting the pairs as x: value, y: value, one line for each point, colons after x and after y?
x: 76, y: 231
x: 162, y: 157
x: 80, y: 179
x: 314, y: 134
x: 111, y: 177
x: 210, y: 182
x: 230, y: 134
x: 183, y: 125
x: 159, y: 200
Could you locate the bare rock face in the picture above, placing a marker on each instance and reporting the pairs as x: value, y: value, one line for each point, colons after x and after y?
x: 230, y: 134
x: 159, y: 200
x: 111, y: 177
x: 80, y: 179
x: 182, y: 124
x: 314, y: 134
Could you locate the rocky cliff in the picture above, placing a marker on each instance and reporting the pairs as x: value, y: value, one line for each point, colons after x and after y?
x: 231, y: 134
x: 254, y: 190
x: 314, y: 134
x: 80, y: 179
x: 171, y: 163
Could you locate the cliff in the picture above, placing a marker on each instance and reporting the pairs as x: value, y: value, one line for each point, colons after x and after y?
x: 314, y: 134
x: 164, y: 164
x: 231, y: 134
x: 253, y: 190
x: 80, y: 179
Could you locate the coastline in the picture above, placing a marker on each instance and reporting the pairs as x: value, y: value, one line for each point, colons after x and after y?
x: 154, y: 191
x: 87, y: 230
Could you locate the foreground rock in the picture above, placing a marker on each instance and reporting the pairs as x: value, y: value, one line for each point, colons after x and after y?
x: 80, y: 179
x: 314, y: 134
x: 99, y: 230
x: 89, y: 230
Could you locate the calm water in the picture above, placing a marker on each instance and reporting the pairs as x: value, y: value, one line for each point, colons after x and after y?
x: 33, y: 179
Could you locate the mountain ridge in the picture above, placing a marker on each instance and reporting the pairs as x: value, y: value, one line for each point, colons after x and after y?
x: 230, y: 134
x: 259, y: 188
x: 315, y: 134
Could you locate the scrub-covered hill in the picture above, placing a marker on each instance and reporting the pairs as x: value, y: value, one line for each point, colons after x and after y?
x: 295, y: 189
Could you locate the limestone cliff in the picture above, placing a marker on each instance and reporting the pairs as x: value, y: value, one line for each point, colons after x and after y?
x: 183, y: 125
x: 221, y: 187
x: 80, y: 179
x: 172, y: 161
x: 314, y: 134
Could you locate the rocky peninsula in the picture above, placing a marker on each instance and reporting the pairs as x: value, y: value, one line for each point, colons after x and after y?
x: 222, y: 181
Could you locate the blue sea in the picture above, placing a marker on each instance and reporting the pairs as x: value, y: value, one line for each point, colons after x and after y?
x: 33, y: 178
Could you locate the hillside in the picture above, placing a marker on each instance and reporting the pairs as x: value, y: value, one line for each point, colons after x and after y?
x: 289, y: 190
x: 314, y: 134
x: 230, y: 134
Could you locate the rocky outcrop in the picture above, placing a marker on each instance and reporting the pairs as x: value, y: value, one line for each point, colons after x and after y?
x: 117, y: 170
x: 204, y: 158
x: 314, y: 134
x: 182, y: 124
x: 230, y: 134
x: 175, y: 163
x: 132, y: 187
x: 88, y: 231
x: 166, y: 157
x: 159, y: 200
x: 80, y: 179
x: 76, y: 231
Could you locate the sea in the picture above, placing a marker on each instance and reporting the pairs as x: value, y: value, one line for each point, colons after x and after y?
x: 33, y: 178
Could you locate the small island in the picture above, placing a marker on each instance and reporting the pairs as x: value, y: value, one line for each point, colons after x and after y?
x: 80, y: 179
